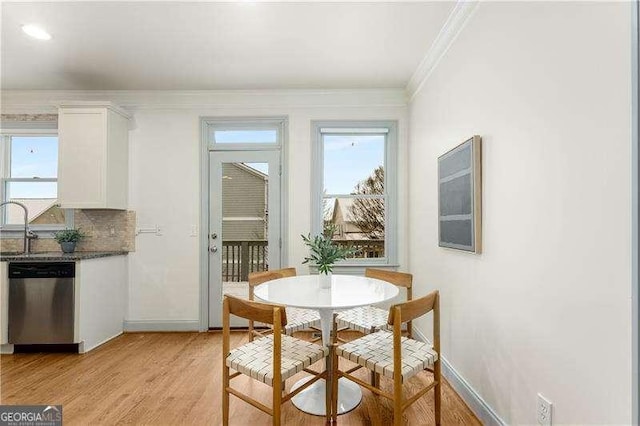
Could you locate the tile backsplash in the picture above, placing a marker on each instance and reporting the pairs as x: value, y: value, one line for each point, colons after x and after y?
x: 106, y: 230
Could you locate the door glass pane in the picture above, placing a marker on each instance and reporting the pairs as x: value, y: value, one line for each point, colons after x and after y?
x: 245, y: 136
x: 34, y: 156
x: 353, y: 164
x: 358, y: 223
x: 244, y: 224
x: 41, y: 200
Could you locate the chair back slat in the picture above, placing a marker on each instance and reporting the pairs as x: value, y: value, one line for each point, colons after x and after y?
x: 257, y: 278
x: 400, y: 279
x: 414, y: 308
x: 255, y: 311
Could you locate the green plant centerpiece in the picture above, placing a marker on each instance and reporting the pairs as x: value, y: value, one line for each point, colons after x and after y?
x: 324, y: 253
x: 68, y: 238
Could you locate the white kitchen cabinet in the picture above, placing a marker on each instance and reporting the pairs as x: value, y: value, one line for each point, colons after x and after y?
x: 93, y: 156
x: 100, y: 300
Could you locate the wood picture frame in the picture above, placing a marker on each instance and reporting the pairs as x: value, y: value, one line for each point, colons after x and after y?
x: 460, y: 197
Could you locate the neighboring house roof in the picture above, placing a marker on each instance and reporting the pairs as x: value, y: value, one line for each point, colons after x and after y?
x: 36, y: 207
x: 342, y: 216
x: 327, y: 210
x: 352, y: 236
x: 53, y: 214
x: 251, y: 170
x: 342, y: 211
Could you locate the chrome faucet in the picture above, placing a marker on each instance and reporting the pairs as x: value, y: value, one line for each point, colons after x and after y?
x: 28, y: 235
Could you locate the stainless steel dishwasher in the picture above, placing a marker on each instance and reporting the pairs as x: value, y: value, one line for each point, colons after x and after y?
x: 41, y: 302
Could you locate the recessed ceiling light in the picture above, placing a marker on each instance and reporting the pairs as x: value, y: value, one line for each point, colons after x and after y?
x: 36, y: 32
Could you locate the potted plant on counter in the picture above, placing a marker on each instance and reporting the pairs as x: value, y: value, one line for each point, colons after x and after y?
x: 324, y: 254
x: 68, y: 239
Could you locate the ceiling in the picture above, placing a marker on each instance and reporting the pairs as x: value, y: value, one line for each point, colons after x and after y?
x: 200, y: 46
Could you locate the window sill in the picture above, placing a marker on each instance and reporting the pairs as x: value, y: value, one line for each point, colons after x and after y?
x: 355, y: 268
x: 6, y: 234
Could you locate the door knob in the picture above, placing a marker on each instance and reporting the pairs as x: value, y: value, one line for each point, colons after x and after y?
x: 213, y: 249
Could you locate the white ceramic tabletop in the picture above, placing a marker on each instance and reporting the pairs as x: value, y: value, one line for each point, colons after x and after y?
x: 347, y: 291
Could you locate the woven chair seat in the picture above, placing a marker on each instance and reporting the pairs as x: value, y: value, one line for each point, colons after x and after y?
x: 301, y: 319
x: 255, y: 359
x: 365, y: 319
x: 375, y: 352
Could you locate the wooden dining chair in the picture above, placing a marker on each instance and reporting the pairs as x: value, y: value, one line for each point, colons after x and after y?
x: 270, y: 360
x: 399, y: 358
x: 298, y: 319
x: 368, y: 319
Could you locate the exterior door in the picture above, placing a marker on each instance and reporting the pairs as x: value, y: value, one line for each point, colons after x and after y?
x: 244, y: 223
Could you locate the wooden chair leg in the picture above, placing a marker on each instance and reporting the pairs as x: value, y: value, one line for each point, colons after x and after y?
x: 437, y: 375
x: 277, y: 404
x: 334, y: 387
x: 377, y: 380
x: 373, y: 378
x: 225, y: 396
x: 328, y: 401
x: 397, y: 400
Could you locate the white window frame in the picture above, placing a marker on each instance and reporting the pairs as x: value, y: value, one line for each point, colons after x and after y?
x: 390, y: 129
x: 7, y: 131
x: 212, y: 125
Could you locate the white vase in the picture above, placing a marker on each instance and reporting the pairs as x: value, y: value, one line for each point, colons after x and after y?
x: 325, y: 280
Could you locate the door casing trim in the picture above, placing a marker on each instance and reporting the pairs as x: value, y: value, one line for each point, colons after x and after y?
x: 203, y: 241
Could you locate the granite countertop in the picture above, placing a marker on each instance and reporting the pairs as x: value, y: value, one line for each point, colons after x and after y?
x: 57, y: 256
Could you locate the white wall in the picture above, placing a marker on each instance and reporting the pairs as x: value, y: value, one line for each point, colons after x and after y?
x: 164, y: 182
x: 546, y: 307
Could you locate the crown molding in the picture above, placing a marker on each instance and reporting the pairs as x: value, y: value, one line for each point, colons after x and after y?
x: 94, y: 104
x: 47, y: 101
x: 454, y: 24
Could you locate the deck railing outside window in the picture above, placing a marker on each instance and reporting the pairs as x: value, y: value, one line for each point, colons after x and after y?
x: 364, y: 248
x: 241, y: 257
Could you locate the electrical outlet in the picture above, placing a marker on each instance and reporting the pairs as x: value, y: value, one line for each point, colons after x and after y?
x: 112, y: 230
x: 544, y: 411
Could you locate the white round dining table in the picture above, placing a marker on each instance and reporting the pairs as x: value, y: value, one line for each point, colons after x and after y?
x: 346, y: 292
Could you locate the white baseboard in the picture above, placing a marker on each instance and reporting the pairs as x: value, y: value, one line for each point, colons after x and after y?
x: 161, y: 325
x: 480, y: 408
x: 6, y: 349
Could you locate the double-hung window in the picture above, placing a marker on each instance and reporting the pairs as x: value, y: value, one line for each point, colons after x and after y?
x: 29, y: 176
x: 354, y: 188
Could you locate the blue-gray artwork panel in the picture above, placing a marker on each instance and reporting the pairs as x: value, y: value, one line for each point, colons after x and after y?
x: 457, y: 232
x: 456, y: 196
x: 455, y: 162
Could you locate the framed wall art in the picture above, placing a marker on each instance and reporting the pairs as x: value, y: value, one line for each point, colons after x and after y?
x: 460, y: 197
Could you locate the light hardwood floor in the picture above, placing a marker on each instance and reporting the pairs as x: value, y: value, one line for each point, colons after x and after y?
x: 175, y: 378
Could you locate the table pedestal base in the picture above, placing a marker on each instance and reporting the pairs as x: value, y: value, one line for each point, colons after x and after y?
x: 311, y: 400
